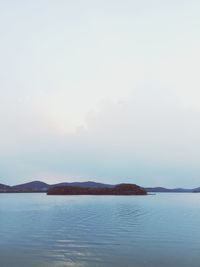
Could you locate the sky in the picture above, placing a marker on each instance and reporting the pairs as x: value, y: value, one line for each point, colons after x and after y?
x: 100, y: 90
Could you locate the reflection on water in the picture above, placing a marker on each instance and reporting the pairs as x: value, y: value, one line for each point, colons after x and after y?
x: 89, y: 231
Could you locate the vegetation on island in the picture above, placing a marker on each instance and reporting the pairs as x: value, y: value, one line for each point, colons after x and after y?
x: 121, y: 189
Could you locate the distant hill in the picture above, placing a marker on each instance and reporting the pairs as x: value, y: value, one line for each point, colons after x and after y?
x: 32, y: 186
x: 196, y: 190
x: 4, y: 187
x: 167, y: 190
x: 38, y: 186
x: 85, y: 184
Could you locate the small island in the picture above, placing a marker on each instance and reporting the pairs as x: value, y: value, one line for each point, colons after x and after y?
x: 121, y: 189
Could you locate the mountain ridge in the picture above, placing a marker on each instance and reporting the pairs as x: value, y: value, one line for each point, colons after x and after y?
x: 39, y: 186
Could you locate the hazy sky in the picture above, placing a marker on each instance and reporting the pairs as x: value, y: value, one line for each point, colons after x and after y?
x: 100, y: 90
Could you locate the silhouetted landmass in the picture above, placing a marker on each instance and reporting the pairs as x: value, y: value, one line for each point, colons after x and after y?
x: 4, y: 188
x: 167, y: 190
x: 34, y: 186
x: 196, y: 190
x: 90, y: 184
x: 38, y: 186
x: 121, y: 189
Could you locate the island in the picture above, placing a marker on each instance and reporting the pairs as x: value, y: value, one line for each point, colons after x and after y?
x: 121, y: 189
x: 42, y: 187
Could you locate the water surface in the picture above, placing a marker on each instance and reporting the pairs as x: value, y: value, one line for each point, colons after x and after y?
x: 37, y: 230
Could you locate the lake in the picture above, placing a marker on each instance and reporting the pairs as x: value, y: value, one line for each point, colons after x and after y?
x: 37, y: 230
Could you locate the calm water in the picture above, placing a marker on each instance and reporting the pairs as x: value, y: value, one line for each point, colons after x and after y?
x: 106, y: 231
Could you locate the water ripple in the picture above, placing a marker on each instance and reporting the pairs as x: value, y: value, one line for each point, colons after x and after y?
x: 89, y: 231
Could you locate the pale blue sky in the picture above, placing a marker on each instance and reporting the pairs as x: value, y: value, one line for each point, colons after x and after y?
x: 100, y: 90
